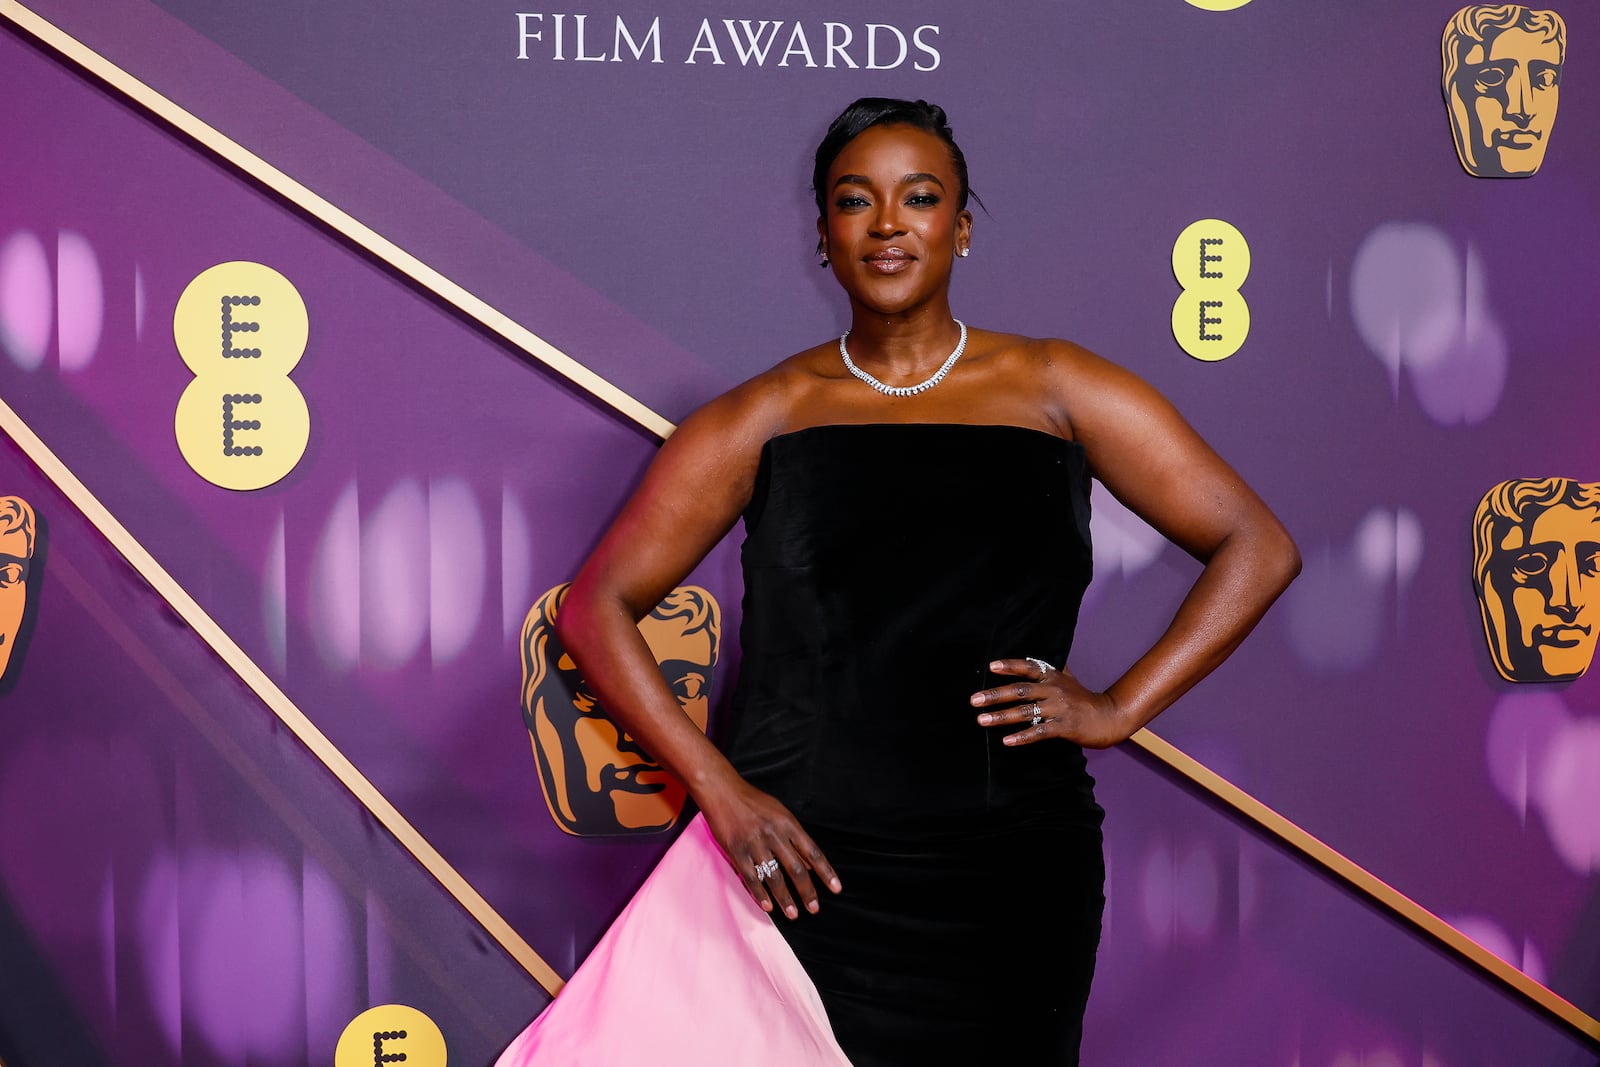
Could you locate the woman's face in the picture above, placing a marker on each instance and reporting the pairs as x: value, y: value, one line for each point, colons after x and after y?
x: 891, y: 227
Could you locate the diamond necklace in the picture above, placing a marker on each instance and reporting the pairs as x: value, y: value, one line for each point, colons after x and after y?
x: 904, y: 390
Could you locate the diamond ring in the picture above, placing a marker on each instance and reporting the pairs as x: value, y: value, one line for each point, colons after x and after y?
x: 1038, y: 715
x: 766, y: 870
x: 1044, y: 668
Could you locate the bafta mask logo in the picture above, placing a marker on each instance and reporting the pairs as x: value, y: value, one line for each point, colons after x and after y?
x: 597, y: 781
x: 1536, y: 567
x: 18, y: 531
x: 1502, y: 85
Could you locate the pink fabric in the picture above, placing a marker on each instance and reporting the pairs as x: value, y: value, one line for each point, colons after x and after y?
x: 692, y: 974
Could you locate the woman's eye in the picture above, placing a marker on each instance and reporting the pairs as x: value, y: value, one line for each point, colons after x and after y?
x: 844, y: 203
x: 924, y: 199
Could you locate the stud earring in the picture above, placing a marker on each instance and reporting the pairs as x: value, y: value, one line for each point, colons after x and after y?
x: 964, y: 252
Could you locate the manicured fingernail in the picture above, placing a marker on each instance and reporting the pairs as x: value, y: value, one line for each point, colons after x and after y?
x: 977, y: 700
x: 985, y: 719
x: 766, y: 905
x: 996, y: 665
x: 835, y: 886
x: 812, y: 907
x: 1011, y: 740
x: 792, y: 912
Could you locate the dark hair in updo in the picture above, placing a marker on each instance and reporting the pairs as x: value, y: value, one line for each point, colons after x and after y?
x: 872, y: 111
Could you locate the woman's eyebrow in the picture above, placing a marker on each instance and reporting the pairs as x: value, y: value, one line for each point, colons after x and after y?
x: 909, y: 179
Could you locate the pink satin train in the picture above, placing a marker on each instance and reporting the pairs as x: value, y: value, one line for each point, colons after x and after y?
x: 692, y: 974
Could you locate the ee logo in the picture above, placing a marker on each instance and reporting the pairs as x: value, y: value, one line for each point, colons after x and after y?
x: 241, y: 328
x: 1211, y: 260
x: 390, y: 1033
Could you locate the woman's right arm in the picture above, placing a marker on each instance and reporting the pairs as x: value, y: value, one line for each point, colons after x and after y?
x: 693, y: 492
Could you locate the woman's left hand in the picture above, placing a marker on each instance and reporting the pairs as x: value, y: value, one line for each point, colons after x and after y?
x: 1048, y: 702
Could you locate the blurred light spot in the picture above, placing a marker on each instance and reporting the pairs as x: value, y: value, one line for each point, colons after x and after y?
x: 210, y: 952
x: 336, y: 584
x: 394, y: 576
x: 241, y: 949
x: 269, y: 936
x: 1156, y: 894
x: 333, y: 995
x: 516, y: 566
x: 138, y: 303
x: 158, y: 946
x: 1196, y: 892
x: 1405, y: 294
x: 1522, y: 729
x: 108, y: 938
x: 80, y: 301
x: 1388, y: 545
x: 1543, y: 757
x: 1567, y: 792
x: 457, y: 567
x: 26, y: 301
x: 1421, y: 306
x: 275, y: 596
x: 1491, y: 936
x: 1407, y: 546
x: 1465, y: 388
x: 1337, y: 613
x: 1533, y: 962
x: 1334, y: 613
x: 1375, y: 547
x: 1124, y: 544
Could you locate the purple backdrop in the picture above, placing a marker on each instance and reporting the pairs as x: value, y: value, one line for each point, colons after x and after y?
x: 1415, y: 337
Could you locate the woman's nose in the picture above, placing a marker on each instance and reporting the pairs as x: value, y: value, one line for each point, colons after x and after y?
x: 886, y: 220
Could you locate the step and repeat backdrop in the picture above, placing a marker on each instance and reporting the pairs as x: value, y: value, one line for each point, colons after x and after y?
x: 1353, y: 242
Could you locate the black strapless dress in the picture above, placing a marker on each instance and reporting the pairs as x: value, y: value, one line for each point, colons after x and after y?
x: 885, y: 566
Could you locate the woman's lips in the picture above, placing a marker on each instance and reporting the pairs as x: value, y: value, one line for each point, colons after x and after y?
x: 889, y: 261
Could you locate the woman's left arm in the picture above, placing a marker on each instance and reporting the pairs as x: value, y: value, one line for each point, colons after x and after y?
x: 1151, y: 460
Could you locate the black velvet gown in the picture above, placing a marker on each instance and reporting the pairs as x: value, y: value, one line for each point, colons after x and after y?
x: 885, y: 566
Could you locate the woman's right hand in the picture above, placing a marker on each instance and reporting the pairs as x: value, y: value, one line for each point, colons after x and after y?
x: 753, y: 827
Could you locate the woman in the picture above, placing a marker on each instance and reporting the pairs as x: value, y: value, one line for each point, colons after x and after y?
x: 905, y: 788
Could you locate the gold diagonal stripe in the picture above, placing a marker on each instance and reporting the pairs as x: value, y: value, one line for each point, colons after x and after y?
x: 339, y: 220
x: 1367, y: 883
x: 1245, y: 805
x: 284, y: 708
x: 287, y: 808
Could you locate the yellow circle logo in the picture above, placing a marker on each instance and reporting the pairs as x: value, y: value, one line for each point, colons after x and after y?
x: 1218, y: 5
x: 241, y: 328
x: 1211, y: 260
x: 390, y: 1033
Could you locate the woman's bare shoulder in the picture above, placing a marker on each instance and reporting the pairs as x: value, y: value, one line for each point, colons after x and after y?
x: 1053, y: 355
x: 1075, y: 383
x: 753, y: 411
